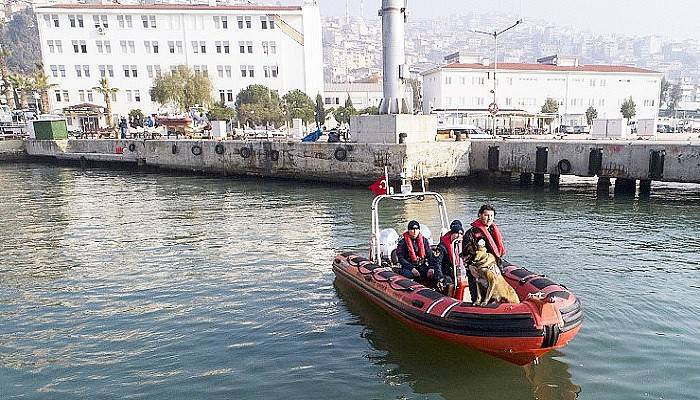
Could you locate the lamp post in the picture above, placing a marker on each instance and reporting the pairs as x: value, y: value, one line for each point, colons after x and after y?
x: 493, y: 107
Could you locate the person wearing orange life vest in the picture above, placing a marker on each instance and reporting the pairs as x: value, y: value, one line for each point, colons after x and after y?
x: 484, y: 228
x: 416, y: 257
x: 444, y: 252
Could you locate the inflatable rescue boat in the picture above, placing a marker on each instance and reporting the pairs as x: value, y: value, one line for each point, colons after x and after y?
x: 547, y: 317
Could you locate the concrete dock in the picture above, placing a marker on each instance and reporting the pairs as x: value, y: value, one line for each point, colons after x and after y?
x: 530, y: 160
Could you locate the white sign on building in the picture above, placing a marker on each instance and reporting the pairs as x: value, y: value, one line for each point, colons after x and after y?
x: 131, y: 44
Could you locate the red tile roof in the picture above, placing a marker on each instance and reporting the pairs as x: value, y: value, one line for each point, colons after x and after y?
x: 170, y: 7
x: 549, y: 67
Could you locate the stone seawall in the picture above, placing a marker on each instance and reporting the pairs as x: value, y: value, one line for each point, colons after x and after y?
x: 635, y: 159
x: 12, y: 150
x: 333, y: 162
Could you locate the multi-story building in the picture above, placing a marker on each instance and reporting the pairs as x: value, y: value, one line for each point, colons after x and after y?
x: 131, y: 44
x: 468, y: 87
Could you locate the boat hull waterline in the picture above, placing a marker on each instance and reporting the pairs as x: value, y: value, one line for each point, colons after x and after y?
x: 548, y: 317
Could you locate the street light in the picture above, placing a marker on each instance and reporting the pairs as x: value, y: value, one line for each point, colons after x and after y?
x: 495, y: 34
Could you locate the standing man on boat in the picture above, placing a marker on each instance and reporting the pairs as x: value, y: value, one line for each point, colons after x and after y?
x: 485, y: 228
x: 416, y: 257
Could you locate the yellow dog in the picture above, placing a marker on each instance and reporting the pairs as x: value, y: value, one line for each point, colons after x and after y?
x: 488, y: 276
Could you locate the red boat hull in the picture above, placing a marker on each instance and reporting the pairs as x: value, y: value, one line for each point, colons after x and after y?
x: 518, y: 333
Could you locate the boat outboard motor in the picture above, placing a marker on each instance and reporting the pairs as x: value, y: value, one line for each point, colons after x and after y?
x: 388, y: 239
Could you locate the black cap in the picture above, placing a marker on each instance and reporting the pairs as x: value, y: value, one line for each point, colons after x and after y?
x: 413, y: 225
x: 456, y: 226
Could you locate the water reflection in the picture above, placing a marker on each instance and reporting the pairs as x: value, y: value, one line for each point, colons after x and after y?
x: 432, y: 366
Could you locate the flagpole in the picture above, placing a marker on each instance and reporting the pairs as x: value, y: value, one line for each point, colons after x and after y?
x: 386, y: 177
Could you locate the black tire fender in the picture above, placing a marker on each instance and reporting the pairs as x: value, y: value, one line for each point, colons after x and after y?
x: 564, y: 166
x: 245, y: 152
x: 340, y: 154
x: 173, y: 149
x: 132, y: 147
x: 219, y: 149
x: 196, y: 150
x: 274, y: 155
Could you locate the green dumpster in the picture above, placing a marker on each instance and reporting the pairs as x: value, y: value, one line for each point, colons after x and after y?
x: 50, y: 129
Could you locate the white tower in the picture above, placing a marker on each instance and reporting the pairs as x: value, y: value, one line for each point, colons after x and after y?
x: 393, y: 15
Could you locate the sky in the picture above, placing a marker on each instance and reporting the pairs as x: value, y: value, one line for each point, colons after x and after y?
x: 672, y: 19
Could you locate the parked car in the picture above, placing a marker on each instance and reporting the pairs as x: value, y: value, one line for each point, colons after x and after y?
x: 565, y: 129
x: 582, y: 129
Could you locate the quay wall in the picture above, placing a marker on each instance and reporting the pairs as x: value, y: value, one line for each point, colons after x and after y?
x: 357, y: 163
x: 12, y: 150
x: 634, y: 159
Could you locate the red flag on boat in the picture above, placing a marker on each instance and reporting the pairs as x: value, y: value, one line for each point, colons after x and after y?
x: 378, y: 187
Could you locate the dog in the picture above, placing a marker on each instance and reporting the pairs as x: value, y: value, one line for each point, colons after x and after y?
x: 490, y: 284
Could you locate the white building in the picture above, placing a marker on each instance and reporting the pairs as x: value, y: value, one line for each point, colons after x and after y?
x: 363, y: 95
x: 130, y: 44
x: 463, y: 87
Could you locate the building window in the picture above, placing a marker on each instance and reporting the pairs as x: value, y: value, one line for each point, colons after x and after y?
x: 249, y: 45
x: 244, y: 71
x: 157, y: 70
x: 114, y: 96
x: 51, y: 47
x: 220, y: 71
x: 86, y: 71
x: 267, y: 22
x: 100, y: 21
x: 148, y: 21
x: 62, y: 95
x: 203, y: 47
x: 251, y: 71
x: 89, y: 96
x: 54, y: 71
x: 149, y: 71
x: 62, y: 70
x: 128, y: 96
x: 220, y: 22
x: 151, y: 46
x: 79, y: 71
x: 103, y: 71
x: 76, y: 21
x: 448, y: 80
x: 241, y: 47
x: 124, y: 21
x: 270, y: 71
x: 227, y: 69
x: 137, y: 96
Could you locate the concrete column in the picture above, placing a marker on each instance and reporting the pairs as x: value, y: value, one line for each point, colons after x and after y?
x: 539, y: 180
x: 525, y: 179
x: 603, y: 186
x: 645, y: 187
x: 624, y: 186
x: 554, y: 181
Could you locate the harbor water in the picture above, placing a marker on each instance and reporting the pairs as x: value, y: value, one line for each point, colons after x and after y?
x: 127, y: 285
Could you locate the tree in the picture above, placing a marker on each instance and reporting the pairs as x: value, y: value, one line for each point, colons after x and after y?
x: 628, y: 108
x: 182, y: 89
x: 591, y: 114
x: 320, y: 112
x: 298, y: 105
x: 665, y: 85
x: 8, y: 91
x: 22, y: 85
x: 343, y: 113
x: 258, y: 105
x: 21, y: 36
x: 371, y: 110
x: 42, y: 85
x: 220, y: 112
x: 674, y: 97
x: 550, y: 106
x: 106, y: 92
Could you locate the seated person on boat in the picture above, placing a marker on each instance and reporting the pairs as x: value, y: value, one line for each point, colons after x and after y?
x: 444, y: 251
x: 484, y: 228
x: 415, y: 256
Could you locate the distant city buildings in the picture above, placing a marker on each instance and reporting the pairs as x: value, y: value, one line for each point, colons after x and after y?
x: 132, y: 44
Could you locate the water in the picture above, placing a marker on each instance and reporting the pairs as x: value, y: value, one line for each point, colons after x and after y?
x: 117, y: 285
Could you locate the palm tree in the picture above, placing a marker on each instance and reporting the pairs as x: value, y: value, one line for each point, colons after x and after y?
x: 22, y: 84
x: 42, y: 85
x: 107, y: 92
x: 7, y: 87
